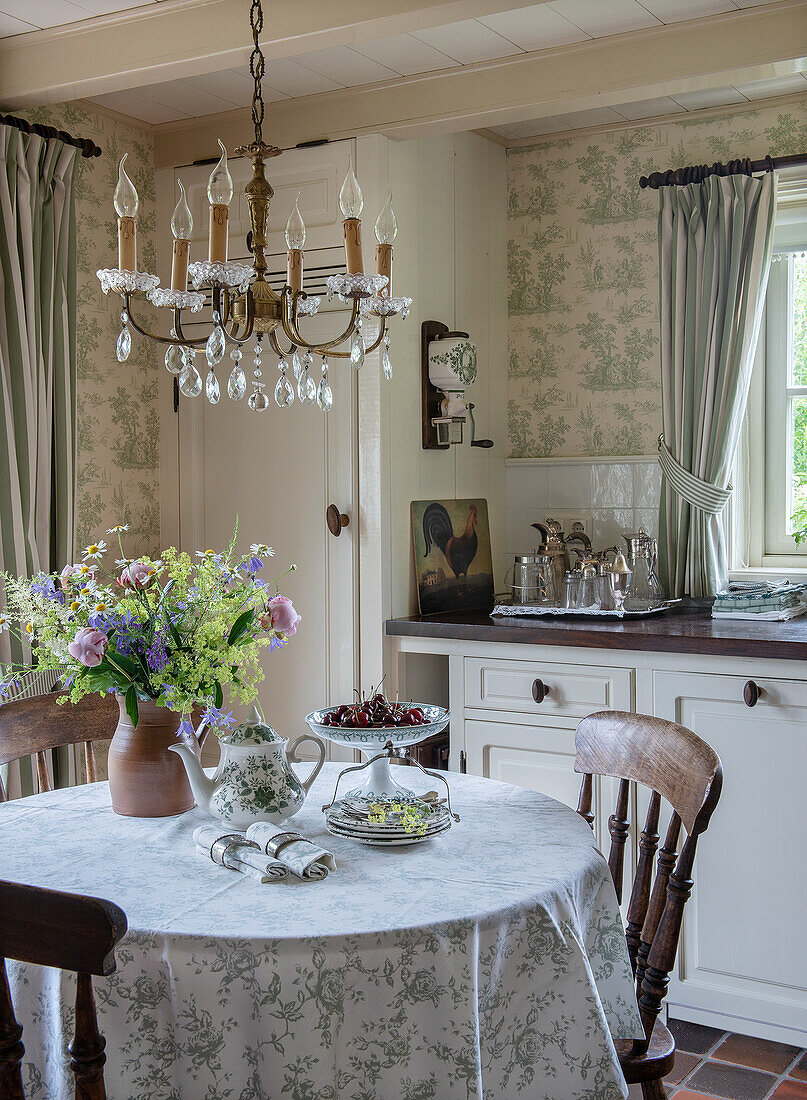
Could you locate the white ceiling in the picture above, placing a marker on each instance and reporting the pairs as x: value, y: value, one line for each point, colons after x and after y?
x: 467, y: 42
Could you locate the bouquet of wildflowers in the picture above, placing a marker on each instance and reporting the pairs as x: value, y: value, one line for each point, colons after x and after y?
x: 177, y: 630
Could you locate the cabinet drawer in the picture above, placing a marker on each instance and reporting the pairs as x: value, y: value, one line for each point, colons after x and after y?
x: 573, y: 690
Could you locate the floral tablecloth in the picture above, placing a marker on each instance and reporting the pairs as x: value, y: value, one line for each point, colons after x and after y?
x: 489, y: 962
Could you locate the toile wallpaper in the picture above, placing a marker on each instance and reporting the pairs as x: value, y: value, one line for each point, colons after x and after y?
x: 583, y: 276
x: 118, y: 476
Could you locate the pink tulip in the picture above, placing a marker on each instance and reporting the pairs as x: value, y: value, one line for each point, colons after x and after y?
x: 281, y: 617
x: 88, y: 647
x: 137, y: 575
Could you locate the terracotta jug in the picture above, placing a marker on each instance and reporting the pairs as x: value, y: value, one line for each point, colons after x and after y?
x: 145, y: 779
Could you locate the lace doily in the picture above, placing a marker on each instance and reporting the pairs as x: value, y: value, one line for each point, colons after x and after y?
x: 218, y: 273
x: 355, y: 286
x: 177, y: 299
x: 113, y: 278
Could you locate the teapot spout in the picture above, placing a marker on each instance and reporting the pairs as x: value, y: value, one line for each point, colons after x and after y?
x: 201, y: 786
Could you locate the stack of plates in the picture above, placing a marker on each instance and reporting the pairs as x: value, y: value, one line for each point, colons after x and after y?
x: 351, y: 817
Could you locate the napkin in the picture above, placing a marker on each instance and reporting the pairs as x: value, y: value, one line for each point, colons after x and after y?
x: 304, y: 858
x: 245, y: 857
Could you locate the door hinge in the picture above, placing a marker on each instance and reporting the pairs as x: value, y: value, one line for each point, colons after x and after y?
x: 176, y: 394
x: 463, y: 762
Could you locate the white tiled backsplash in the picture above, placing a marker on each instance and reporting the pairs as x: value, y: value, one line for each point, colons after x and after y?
x: 609, y: 496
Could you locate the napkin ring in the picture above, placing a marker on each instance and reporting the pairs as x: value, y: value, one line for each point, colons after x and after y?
x: 280, y: 840
x: 220, y: 846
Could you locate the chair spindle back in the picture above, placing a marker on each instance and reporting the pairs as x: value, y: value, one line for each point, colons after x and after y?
x: 682, y: 769
x: 71, y: 932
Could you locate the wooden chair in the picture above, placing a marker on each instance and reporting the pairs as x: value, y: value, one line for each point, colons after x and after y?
x: 678, y: 766
x: 31, y: 726
x: 71, y: 932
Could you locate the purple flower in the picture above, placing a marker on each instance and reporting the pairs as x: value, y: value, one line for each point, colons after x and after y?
x: 252, y: 566
x: 277, y: 643
x: 186, y: 730
x: 46, y: 586
x: 215, y: 717
x: 156, y: 654
x: 6, y: 686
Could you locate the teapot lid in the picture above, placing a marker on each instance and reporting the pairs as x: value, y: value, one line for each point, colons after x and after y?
x: 254, y: 730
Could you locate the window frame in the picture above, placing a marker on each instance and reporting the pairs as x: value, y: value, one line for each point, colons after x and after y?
x: 757, y: 516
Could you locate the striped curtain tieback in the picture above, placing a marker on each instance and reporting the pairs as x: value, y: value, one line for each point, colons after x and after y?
x: 700, y: 494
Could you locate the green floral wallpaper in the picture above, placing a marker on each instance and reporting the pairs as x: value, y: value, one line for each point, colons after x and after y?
x: 583, y: 276
x: 118, y: 476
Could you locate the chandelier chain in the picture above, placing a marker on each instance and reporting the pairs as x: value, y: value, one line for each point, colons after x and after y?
x: 257, y: 67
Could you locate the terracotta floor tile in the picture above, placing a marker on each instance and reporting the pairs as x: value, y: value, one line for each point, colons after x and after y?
x: 686, y: 1094
x: 731, y: 1082
x: 790, y: 1090
x: 684, y: 1064
x: 745, y: 1050
x: 694, y: 1038
x: 800, y: 1069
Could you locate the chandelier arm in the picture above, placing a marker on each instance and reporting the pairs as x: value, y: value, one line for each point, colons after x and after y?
x: 180, y: 340
x: 322, y: 349
x: 288, y: 322
x: 249, y: 321
x: 274, y: 343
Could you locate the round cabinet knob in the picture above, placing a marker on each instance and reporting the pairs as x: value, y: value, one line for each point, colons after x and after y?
x: 336, y: 520
x: 752, y: 693
x: 539, y: 691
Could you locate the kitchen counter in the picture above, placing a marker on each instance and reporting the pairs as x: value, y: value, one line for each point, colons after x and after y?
x: 688, y: 629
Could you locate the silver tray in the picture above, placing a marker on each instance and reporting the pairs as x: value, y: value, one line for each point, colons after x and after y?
x: 530, y: 611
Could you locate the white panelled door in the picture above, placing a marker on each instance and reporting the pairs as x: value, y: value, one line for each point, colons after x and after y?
x: 278, y: 470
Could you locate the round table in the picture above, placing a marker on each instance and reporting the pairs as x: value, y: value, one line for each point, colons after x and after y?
x: 490, y: 961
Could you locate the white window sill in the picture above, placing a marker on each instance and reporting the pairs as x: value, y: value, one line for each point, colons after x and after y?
x: 769, y: 573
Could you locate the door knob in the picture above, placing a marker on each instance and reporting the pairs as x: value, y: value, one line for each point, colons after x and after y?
x: 752, y: 693
x: 539, y: 691
x: 336, y: 520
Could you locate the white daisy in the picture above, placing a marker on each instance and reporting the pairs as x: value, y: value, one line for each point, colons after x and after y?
x: 261, y: 550
x: 206, y: 553
x: 118, y: 529
x: 95, y: 550
x: 85, y: 570
x: 123, y: 561
x: 3, y: 623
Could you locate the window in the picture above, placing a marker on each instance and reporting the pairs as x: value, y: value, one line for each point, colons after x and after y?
x: 771, y: 464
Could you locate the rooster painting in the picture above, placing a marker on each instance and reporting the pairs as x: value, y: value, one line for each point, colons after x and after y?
x: 452, y: 554
x: 459, y: 551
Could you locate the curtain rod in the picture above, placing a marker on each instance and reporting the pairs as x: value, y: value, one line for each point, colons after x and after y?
x: 88, y: 148
x: 697, y: 173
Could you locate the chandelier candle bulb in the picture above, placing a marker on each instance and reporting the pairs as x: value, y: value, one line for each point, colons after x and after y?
x: 386, y: 230
x: 219, y: 195
x: 351, y: 203
x: 295, y: 241
x: 126, y: 203
x: 181, y: 227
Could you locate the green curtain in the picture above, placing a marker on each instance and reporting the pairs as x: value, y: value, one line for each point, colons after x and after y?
x: 37, y: 356
x: 715, y: 242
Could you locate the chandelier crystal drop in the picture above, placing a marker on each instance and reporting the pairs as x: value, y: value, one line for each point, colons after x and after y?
x: 244, y: 306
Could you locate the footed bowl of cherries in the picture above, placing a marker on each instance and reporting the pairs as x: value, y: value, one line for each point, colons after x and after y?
x: 370, y: 723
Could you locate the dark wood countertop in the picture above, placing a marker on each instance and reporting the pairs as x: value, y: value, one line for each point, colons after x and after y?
x: 689, y: 629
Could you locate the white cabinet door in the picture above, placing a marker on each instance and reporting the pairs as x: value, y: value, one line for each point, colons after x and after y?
x: 743, y: 951
x: 539, y: 757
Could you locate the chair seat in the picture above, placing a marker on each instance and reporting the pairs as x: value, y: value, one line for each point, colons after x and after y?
x: 656, y: 1062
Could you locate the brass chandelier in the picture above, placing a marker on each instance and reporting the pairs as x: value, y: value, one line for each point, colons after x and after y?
x: 244, y: 305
